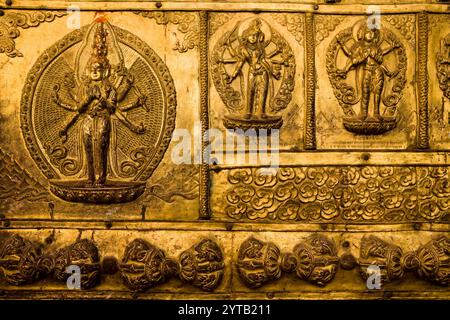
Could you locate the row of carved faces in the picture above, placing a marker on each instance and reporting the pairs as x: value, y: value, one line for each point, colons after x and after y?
x: 144, y: 265
x: 315, y: 260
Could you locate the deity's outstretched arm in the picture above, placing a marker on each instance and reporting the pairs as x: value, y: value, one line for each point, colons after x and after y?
x: 280, y: 62
x: 127, y: 123
x: 124, y: 87
x: 355, y: 58
x: 237, y: 70
x: 139, y: 102
x: 389, y: 73
x: 391, y: 47
x: 84, y: 103
x: 65, y: 105
x: 344, y: 48
x: 229, y: 61
x: 272, y: 54
x: 349, y: 65
x: 111, y: 101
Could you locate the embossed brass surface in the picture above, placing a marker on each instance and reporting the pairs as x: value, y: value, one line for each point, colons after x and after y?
x: 93, y: 105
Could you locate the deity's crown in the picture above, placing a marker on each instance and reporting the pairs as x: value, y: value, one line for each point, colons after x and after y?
x: 255, y: 26
x: 100, y: 47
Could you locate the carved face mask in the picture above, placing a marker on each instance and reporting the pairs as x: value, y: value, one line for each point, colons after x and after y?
x: 259, y: 262
x: 144, y: 265
x: 317, y: 259
x: 202, y: 265
x: 432, y: 261
x: 386, y: 256
x: 19, y: 260
x: 83, y: 254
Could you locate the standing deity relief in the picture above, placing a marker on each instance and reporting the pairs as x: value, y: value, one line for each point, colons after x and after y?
x: 366, y: 65
x: 253, y: 69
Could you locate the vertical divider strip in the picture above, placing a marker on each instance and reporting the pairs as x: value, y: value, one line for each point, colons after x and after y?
x: 422, y: 81
x: 204, y: 212
x: 310, y: 84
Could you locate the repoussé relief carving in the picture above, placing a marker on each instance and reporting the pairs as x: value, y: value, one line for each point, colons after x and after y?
x: 111, y: 120
x: 253, y: 68
x: 365, y: 78
x: 348, y: 194
x: 143, y: 266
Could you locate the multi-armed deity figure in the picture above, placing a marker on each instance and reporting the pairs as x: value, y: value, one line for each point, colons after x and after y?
x: 98, y: 98
x: 366, y: 55
x: 253, y: 54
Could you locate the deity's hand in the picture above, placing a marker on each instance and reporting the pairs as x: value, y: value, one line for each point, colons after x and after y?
x: 130, y: 79
x: 280, y: 47
x: 218, y: 59
x: 55, y: 98
x: 142, y: 100
x: 277, y: 75
x: 392, y: 74
x: 340, y: 41
x: 228, y: 79
x: 395, y: 44
x: 140, y: 129
x: 341, y: 73
x: 63, y: 135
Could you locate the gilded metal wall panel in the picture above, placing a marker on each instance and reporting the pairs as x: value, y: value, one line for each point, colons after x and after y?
x: 126, y: 149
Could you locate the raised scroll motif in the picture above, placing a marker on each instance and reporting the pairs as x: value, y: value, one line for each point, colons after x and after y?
x: 253, y: 70
x: 12, y: 22
x: 405, y: 24
x: 180, y: 181
x: 359, y: 73
x: 16, y: 183
x: 187, y: 23
x: 324, y: 25
x: 356, y: 194
x: 294, y: 23
x: 218, y: 19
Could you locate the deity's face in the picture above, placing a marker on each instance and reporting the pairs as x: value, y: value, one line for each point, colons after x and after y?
x: 97, y: 72
x: 253, y: 37
x: 369, y: 35
x: 323, y: 274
